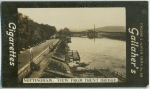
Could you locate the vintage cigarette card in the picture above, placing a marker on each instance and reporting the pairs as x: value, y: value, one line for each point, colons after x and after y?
x: 75, y: 44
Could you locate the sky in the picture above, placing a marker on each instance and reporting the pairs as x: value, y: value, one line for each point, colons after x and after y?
x: 77, y: 18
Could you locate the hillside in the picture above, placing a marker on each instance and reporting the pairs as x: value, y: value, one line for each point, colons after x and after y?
x: 106, y: 29
x: 112, y: 29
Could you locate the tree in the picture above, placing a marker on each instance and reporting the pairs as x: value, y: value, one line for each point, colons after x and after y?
x: 64, y: 32
x: 32, y: 33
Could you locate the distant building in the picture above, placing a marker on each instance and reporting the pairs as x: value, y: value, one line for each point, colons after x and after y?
x: 92, y: 34
x: 84, y: 33
x: 76, y: 34
x: 102, y: 33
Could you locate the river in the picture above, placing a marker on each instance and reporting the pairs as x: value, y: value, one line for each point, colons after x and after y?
x: 101, y: 53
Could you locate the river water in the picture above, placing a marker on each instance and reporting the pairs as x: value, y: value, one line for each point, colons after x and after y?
x: 101, y: 53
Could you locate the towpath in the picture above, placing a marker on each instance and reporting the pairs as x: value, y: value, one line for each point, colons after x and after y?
x: 24, y: 56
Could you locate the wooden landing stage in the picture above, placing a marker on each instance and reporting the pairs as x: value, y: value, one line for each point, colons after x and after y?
x: 73, y: 54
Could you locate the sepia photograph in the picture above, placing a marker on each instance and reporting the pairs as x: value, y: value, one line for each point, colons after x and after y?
x: 75, y: 44
x: 72, y: 43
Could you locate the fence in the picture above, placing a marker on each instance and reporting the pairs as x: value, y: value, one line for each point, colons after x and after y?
x: 119, y: 76
x: 24, y: 71
x: 114, y: 74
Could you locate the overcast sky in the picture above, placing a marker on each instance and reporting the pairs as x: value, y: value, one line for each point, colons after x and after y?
x: 77, y: 18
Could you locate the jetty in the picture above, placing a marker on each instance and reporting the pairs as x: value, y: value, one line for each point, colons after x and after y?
x: 73, y: 54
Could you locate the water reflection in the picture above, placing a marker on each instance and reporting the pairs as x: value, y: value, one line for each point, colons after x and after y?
x: 101, y: 52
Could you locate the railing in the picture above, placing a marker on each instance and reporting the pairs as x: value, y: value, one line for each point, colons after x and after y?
x: 57, y: 47
x: 115, y: 74
x: 119, y: 76
x: 24, y: 71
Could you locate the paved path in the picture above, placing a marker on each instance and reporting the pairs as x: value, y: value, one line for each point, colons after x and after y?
x: 24, y: 57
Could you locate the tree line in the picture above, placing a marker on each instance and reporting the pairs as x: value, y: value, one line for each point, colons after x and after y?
x: 64, y: 32
x: 31, y: 33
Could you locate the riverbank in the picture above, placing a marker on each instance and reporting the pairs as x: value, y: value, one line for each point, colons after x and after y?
x: 57, y: 64
x: 122, y: 38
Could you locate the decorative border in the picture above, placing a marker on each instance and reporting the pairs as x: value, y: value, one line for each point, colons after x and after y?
x: 136, y: 21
